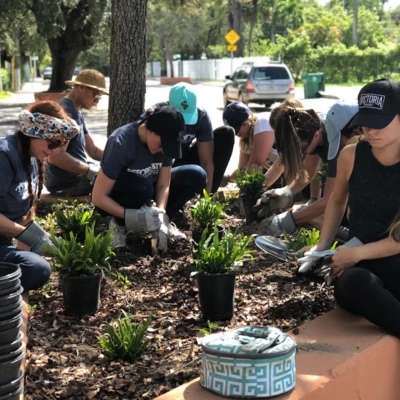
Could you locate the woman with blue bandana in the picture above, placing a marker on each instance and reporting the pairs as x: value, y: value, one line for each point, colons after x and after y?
x: 43, y: 129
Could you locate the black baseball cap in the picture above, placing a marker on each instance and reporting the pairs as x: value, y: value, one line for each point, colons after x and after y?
x: 168, y: 123
x: 235, y: 114
x: 378, y: 103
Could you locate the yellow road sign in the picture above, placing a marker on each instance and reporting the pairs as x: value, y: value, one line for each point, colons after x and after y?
x: 232, y: 37
x: 231, y: 47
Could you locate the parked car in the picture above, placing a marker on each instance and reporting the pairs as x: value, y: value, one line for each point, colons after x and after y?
x: 259, y: 83
x: 76, y: 71
x: 47, y: 72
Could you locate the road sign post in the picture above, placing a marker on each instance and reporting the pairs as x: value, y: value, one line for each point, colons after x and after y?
x: 232, y: 37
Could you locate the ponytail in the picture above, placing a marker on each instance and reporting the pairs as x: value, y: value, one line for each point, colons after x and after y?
x: 292, y: 127
x: 394, y: 230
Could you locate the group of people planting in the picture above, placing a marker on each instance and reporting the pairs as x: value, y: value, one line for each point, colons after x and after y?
x: 152, y: 167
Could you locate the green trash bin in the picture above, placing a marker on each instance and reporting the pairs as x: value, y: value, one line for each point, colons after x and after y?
x: 313, y: 83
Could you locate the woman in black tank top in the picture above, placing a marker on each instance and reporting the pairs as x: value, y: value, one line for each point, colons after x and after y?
x: 368, y: 176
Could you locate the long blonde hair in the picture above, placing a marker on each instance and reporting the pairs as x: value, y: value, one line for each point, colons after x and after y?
x: 394, y: 230
x: 246, y: 145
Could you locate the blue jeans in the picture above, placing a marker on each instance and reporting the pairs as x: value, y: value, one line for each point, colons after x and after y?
x: 131, y: 191
x: 35, y: 270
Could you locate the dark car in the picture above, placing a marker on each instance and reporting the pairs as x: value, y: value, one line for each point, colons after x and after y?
x: 47, y: 72
x: 259, y: 83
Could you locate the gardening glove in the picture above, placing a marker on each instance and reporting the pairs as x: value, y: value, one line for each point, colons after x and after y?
x: 303, y: 206
x: 277, y: 224
x: 92, y: 172
x: 163, y: 233
x: 146, y: 219
x: 36, y: 237
x: 273, y: 200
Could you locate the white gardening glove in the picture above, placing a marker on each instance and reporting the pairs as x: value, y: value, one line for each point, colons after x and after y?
x: 36, y: 237
x: 300, y: 207
x: 92, y: 172
x: 275, y: 225
x: 146, y: 219
x: 163, y: 233
x: 273, y: 200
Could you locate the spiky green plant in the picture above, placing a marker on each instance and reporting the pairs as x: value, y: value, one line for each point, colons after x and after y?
x: 87, y: 258
x: 250, y: 185
x: 75, y: 218
x: 125, y: 340
x: 305, y: 237
x: 207, y: 212
x: 220, y: 256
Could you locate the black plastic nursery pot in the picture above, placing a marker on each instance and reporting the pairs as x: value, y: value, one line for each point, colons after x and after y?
x: 12, y: 288
x: 13, y: 386
x: 82, y: 294
x: 10, y: 370
x: 9, y: 347
x: 9, y: 273
x: 13, y: 354
x: 15, y: 395
x: 246, y: 206
x: 10, y: 311
x: 216, y: 296
x: 10, y: 335
x: 196, y: 233
x: 12, y: 298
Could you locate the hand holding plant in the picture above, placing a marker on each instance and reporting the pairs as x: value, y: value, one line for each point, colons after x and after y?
x: 251, y: 185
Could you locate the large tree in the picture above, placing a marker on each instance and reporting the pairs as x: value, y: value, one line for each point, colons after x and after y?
x: 69, y: 27
x: 128, y: 61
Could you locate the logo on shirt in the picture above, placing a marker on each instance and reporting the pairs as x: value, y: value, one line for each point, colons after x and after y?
x: 370, y: 100
x: 154, y: 169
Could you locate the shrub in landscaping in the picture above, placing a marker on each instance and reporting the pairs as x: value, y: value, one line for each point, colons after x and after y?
x: 250, y: 185
x: 87, y: 258
x: 126, y: 340
x: 220, y: 256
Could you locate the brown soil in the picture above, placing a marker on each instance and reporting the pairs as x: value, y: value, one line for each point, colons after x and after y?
x: 65, y: 359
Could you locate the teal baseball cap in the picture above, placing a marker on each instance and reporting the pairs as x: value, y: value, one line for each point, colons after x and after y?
x: 183, y: 98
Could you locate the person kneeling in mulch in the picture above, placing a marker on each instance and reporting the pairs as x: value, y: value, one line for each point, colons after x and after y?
x: 43, y: 129
x: 136, y: 173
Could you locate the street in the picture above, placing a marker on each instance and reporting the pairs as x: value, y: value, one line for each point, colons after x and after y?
x: 209, y: 97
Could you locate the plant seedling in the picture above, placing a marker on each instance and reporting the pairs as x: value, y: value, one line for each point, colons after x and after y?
x: 211, y: 326
x: 126, y: 340
x: 250, y: 185
x: 305, y: 237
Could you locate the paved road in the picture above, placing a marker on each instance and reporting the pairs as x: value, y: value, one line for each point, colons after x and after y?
x: 209, y: 96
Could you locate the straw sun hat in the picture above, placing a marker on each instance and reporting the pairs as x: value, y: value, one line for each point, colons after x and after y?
x: 91, y: 78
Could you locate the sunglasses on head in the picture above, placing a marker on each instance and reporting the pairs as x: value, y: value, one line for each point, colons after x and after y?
x: 53, y: 143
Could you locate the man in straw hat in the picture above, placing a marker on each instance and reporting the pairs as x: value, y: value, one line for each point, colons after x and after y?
x: 70, y: 173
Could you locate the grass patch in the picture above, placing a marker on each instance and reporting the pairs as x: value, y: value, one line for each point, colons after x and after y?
x: 4, y: 95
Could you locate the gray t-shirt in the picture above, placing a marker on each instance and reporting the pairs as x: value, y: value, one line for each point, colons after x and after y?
x: 14, y: 196
x: 125, y: 154
x: 60, y: 179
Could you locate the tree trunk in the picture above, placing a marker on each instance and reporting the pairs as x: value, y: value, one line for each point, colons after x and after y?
x: 63, y: 61
x: 128, y: 62
x: 250, y: 37
x: 235, y: 23
x: 355, y: 22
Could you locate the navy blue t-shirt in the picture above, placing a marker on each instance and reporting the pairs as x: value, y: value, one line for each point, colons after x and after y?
x: 14, y: 195
x: 202, y: 130
x: 60, y: 179
x: 125, y: 154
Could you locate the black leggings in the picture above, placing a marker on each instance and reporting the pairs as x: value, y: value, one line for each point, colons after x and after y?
x: 224, y: 140
x: 372, y: 292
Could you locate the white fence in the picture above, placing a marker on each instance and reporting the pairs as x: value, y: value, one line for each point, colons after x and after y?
x: 204, y: 69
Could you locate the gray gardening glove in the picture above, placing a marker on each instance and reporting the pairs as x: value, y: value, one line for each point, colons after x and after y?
x: 275, y: 225
x: 273, y: 200
x: 92, y: 172
x: 163, y: 233
x: 36, y: 237
x: 146, y: 219
x: 303, y: 206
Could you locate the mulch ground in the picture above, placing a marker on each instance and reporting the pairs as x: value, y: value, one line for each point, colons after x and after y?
x: 65, y: 359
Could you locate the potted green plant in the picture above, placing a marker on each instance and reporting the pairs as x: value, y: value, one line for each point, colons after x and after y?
x: 305, y: 237
x: 206, y: 214
x: 81, y: 267
x: 75, y: 218
x: 251, y: 187
x: 217, y: 261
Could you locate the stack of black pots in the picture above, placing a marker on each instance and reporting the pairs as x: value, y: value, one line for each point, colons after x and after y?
x: 12, y: 349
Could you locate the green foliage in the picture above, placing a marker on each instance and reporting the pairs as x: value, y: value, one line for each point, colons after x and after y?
x: 305, y: 237
x: 5, y: 79
x: 250, y: 185
x: 75, y: 218
x: 88, y: 258
x: 211, y: 326
x: 207, y: 212
x: 220, y: 256
x: 121, y: 279
x: 126, y: 340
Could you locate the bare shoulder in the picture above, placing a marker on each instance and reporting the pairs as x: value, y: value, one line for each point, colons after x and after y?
x: 348, y: 152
